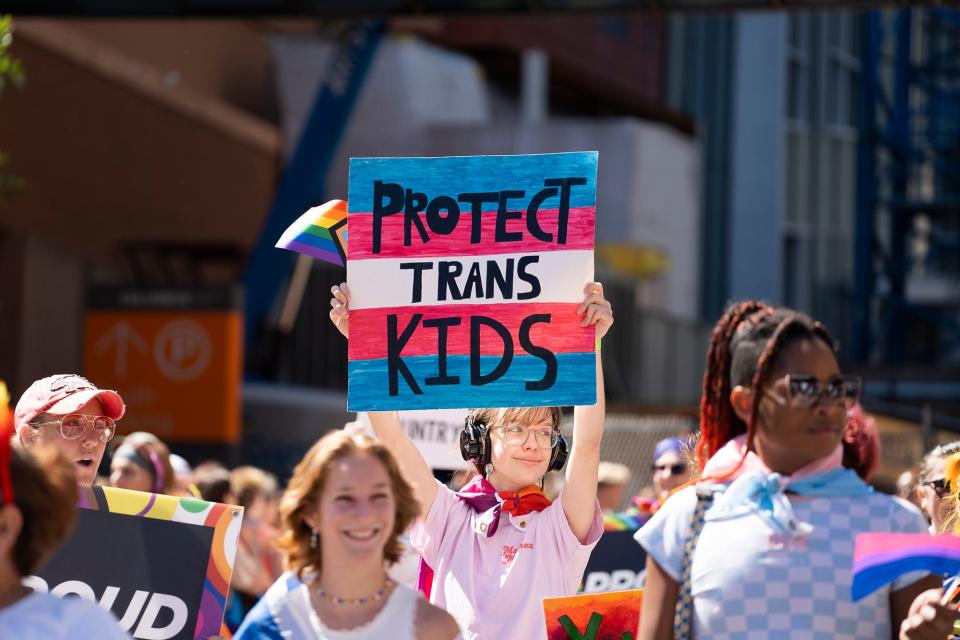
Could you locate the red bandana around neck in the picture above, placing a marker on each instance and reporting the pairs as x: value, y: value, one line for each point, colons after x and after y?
x: 482, y: 496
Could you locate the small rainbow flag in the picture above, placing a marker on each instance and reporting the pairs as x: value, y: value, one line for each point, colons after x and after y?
x: 881, y: 558
x: 320, y: 233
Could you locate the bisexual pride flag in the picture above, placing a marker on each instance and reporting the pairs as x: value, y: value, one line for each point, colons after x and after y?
x: 465, y: 275
x: 881, y: 558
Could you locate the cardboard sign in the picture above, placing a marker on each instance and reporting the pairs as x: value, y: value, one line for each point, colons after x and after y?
x: 616, y: 563
x: 161, y: 564
x: 465, y: 275
x: 595, y: 616
x: 436, y: 434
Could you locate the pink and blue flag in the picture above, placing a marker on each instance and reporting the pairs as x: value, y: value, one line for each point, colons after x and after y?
x: 465, y: 275
x: 320, y: 233
x: 881, y: 558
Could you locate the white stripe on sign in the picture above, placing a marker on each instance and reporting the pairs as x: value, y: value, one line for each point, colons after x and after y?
x: 553, y: 276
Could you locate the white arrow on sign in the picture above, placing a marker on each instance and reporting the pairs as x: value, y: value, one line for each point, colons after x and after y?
x: 121, y: 336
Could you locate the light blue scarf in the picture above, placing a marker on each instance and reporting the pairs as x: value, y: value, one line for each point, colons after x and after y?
x: 765, y: 494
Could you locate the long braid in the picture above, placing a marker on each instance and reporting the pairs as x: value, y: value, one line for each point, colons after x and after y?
x: 716, y: 419
x: 764, y: 363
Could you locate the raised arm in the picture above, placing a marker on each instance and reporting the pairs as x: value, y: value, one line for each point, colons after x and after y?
x: 580, y: 486
x: 386, y: 424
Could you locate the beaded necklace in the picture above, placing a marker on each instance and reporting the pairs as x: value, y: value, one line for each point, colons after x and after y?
x: 356, y: 602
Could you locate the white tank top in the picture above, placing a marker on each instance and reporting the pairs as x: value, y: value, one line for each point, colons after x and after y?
x: 395, y: 620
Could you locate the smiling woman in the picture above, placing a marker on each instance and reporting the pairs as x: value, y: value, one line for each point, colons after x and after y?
x: 342, y: 512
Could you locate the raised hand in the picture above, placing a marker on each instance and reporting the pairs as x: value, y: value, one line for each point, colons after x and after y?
x: 340, y: 303
x: 595, y: 309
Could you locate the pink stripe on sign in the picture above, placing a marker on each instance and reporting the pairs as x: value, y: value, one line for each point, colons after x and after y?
x: 563, y: 334
x: 458, y: 243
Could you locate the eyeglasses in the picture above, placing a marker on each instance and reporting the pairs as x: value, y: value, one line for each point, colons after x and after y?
x: 940, y: 487
x: 74, y: 425
x: 804, y: 391
x: 675, y: 469
x: 516, y: 434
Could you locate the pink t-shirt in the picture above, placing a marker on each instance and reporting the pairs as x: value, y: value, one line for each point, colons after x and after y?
x: 495, y: 586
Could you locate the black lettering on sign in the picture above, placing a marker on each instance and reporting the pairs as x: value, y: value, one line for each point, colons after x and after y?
x: 563, y: 211
x: 503, y: 216
x: 504, y: 283
x: 395, y: 345
x: 444, y: 225
x: 476, y: 200
x: 549, y: 359
x: 446, y: 279
x: 415, y: 203
x: 416, y: 291
x: 533, y: 225
x: 529, y: 278
x: 479, y: 379
x: 441, y: 324
x: 383, y: 190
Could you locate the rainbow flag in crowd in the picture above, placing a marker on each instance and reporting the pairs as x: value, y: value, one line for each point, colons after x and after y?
x: 881, y: 558
x: 320, y: 233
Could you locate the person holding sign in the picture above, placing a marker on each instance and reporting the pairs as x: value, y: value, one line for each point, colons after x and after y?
x: 762, y: 545
x: 37, y: 510
x: 343, y: 511
x: 68, y: 412
x: 499, y: 547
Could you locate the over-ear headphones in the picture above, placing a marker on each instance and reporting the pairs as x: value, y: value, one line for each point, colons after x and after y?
x: 475, y: 445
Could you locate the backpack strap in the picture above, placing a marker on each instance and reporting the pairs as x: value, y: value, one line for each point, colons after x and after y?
x: 683, y: 617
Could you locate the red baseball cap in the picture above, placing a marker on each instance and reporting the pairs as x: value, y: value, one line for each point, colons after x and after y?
x: 62, y: 394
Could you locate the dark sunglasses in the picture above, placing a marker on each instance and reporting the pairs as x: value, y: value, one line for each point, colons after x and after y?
x: 675, y: 469
x: 804, y: 390
x: 940, y: 487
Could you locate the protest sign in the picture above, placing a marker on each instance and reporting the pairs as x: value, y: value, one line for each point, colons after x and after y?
x: 616, y: 563
x: 161, y: 564
x: 436, y: 434
x: 465, y: 275
x: 594, y: 616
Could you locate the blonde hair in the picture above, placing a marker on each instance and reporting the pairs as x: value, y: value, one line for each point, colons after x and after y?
x: 493, y: 417
x: 306, y: 485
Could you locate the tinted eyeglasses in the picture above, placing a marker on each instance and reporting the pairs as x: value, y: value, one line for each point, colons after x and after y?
x: 940, y: 487
x: 675, y: 469
x: 804, y: 391
x: 73, y: 426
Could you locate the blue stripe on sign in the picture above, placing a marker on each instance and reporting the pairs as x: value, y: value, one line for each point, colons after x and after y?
x: 473, y: 174
x: 575, y: 385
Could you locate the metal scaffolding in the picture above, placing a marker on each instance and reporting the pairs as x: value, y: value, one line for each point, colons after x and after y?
x: 907, y: 274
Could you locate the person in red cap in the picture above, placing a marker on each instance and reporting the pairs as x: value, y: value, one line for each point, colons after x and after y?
x: 38, y: 497
x: 70, y: 413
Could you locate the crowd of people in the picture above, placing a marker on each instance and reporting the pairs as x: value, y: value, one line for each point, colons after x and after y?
x: 748, y: 528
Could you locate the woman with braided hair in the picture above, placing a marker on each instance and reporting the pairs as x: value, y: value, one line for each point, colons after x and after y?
x: 761, y: 545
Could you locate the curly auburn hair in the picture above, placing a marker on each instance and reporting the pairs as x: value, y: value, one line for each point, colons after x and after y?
x: 744, y: 348
x: 45, y: 492
x: 303, y: 494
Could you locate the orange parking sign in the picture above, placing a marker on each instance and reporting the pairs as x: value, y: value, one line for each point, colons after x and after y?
x: 178, y: 370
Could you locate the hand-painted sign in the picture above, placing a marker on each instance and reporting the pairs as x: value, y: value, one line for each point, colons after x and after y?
x: 594, y: 616
x: 465, y: 275
x: 161, y: 564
